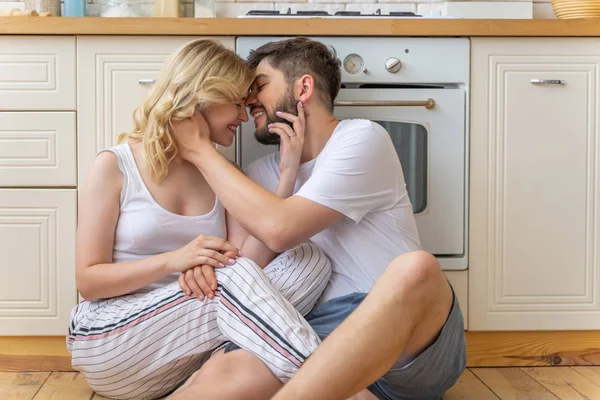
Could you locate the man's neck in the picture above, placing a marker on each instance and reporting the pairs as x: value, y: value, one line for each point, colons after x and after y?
x: 319, y: 128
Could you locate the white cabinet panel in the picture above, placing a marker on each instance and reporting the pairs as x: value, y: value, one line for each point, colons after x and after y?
x: 534, y: 184
x: 37, y: 149
x: 460, y: 284
x: 37, y: 243
x: 37, y: 73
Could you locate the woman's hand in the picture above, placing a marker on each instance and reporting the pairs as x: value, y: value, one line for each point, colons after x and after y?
x: 291, y: 140
x: 200, y: 281
x: 204, y: 250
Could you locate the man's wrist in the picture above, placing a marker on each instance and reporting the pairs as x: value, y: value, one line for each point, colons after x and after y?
x: 199, y: 155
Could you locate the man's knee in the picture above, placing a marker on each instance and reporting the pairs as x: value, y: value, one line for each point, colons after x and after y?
x: 418, y: 269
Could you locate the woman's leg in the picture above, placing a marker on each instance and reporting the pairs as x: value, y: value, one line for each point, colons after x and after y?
x: 255, y: 315
x: 300, y: 275
x: 142, y: 345
x: 145, y: 345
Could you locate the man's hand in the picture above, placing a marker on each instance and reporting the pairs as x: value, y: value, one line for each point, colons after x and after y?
x: 191, y: 135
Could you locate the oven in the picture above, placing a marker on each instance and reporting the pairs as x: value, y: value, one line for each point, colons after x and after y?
x: 417, y: 89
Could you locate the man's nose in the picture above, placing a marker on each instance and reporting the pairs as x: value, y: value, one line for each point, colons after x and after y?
x: 251, y: 100
x: 243, y: 114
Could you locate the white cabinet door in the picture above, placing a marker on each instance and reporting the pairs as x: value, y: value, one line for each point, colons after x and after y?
x: 37, y: 149
x: 110, y: 82
x: 37, y: 244
x: 534, y: 179
x: 37, y: 73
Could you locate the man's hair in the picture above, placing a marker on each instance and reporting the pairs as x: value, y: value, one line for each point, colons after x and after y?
x: 302, y: 56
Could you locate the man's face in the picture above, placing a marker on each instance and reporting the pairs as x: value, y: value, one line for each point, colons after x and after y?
x: 270, y: 93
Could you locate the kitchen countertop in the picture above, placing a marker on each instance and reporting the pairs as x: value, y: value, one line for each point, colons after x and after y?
x: 298, y: 26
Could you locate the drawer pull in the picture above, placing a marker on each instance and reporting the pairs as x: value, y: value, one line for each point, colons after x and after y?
x: 548, y: 82
x: 146, y: 81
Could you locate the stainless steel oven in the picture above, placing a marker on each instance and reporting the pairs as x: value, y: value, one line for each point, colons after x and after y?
x: 417, y: 89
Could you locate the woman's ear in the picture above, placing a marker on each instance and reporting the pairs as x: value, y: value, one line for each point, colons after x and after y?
x: 305, y: 88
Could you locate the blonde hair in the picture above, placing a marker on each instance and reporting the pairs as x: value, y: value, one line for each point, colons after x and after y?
x: 202, y: 73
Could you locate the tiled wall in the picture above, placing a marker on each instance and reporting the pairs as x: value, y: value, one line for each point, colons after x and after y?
x: 233, y: 8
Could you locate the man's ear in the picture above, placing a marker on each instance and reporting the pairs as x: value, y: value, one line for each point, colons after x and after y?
x: 304, y: 88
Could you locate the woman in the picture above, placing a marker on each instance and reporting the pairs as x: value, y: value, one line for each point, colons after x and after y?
x: 148, y: 218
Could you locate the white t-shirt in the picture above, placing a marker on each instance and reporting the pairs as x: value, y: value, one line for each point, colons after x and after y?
x: 358, y: 174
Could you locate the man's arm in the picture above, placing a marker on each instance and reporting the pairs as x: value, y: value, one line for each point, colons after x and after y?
x: 279, y: 223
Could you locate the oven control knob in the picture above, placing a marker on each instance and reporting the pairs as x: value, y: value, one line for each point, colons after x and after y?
x: 393, y: 65
x: 354, y: 64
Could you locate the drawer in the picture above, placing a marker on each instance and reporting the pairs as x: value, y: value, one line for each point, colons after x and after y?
x: 37, y: 149
x: 37, y: 73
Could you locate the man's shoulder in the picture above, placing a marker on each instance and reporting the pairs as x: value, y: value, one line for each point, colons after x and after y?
x: 361, y: 132
x: 355, y: 125
x: 359, y: 128
x: 263, y: 167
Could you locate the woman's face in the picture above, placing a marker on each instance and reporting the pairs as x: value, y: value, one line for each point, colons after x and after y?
x: 223, y: 120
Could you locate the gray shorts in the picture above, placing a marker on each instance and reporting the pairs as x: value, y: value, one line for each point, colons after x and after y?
x: 428, y: 376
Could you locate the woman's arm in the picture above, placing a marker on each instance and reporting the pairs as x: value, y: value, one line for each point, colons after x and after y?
x: 99, y: 206
x: 97, y: 276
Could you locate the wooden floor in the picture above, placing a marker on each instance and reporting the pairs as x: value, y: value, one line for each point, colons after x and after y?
x: 539, y: 383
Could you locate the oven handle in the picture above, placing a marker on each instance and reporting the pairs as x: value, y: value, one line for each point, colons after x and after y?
x: 428, y: 104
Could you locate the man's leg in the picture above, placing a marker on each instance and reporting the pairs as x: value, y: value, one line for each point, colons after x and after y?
x: 402, y: 315
x: 238, y: 375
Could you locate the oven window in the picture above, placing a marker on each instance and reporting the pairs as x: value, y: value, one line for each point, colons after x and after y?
x: 410, y: 141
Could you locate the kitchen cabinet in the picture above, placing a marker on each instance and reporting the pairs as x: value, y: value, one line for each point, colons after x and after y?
x: 114, y: 77
x: 534, y: 181
x: 37, y: 242
x: 37, y: 73
x: 37, y: 149
x: 38, y: 177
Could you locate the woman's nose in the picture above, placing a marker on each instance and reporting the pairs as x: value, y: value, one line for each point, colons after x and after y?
x: 243, y: 114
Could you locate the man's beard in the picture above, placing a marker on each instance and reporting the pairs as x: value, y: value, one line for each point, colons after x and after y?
x: 288, y: 105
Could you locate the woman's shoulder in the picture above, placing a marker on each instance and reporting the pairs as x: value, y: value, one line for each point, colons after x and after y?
x: 105, y: 170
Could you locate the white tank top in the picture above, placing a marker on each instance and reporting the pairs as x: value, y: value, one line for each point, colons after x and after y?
x: 145, y: 228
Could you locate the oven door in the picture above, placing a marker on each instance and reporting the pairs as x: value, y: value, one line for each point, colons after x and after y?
x: 431, y: 146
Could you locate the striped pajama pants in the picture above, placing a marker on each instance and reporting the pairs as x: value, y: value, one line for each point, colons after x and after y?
x: 143, y: 346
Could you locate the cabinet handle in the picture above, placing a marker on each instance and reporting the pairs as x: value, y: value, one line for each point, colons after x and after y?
x: 146, y: 81
x: 548, y: 82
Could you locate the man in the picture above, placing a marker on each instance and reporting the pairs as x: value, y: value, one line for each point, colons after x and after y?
x: 402, y: 340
